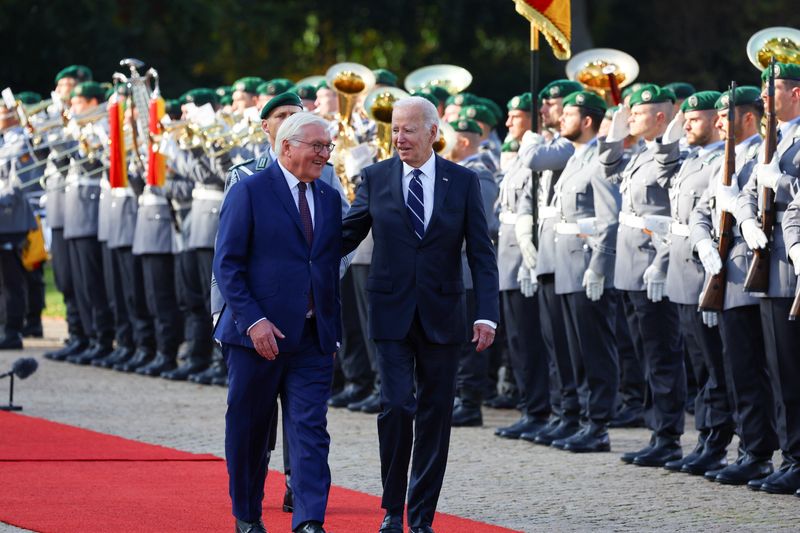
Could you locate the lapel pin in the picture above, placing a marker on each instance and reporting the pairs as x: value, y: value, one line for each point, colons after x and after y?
x: 444, y: 179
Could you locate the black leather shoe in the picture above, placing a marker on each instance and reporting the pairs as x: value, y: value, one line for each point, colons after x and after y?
x: 677, y: 465
x: 392, y: 523
x: 216, y: 370
x: 593, y: 438
x: 628, y: 417
x: 467, y: 414
x: 421, y: 529
x: 142, y: 357
x: 98, y: 351
x: 665, y: 449
x: 787, y: 483
x: 120, y: 353
x: 502, y: 401
x: 628, y: 457
x: 755, y: 484
x: 311, y: 526
x: 185, y: 370
x: 12, y: 340
x: 250, y: 527
x: 562, y: 430
x: 33, y: 330
x: 351, y: 393
x: 560, y: 443
x: 74, y: 345
x: 526, y: 424
x: 162, y: 363
x: 746, y: 468
x: 711, y: 460
x: 358, y: 407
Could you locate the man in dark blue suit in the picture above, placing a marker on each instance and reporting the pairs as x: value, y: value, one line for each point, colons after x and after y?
x: 421, y: 209
x: 277, y: 267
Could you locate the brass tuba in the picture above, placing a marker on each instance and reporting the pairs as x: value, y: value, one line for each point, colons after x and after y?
x: 379, y: 105
x: 604, y: 71
x: 779, y: 42
x: 446, y: 141
x: 453, y: 78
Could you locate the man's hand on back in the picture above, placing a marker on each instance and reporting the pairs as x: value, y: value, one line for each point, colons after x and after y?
x: 263, y: 336
x: 483, y: 335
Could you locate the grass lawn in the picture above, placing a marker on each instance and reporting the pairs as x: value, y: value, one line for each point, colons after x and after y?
x: 54, y: 301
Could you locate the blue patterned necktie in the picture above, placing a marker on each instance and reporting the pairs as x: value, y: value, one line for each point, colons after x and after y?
x: 308, y: 228
x: 415, y: 204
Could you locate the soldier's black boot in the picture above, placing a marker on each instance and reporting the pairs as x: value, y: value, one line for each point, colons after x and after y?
x: 467, y: 413
x: 162, y: 363
x: 97, y: 351
x: 188, y: 368
x: 714, y: 455
x: 33, y: 329
x: 666, y: 449
x: 11, y: 340
x: 563, y: 429
x: 678, y: 464
x: 593, y: 438
x: 142, y: 357
x: 74, y: 345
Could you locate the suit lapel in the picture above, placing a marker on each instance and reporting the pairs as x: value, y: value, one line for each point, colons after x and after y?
x: 285, y: 195
x: 440, y: 187
x: 396, y: 176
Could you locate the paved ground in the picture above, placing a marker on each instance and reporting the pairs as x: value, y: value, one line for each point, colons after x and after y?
x: 509, y: 483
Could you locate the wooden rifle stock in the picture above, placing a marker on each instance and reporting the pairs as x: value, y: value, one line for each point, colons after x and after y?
x: 757, y: 279
x: 713, y: 296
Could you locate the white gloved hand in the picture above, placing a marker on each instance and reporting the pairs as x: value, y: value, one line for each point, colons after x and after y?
x: 528, y: 284
x: 753, y: 235
x: 727, y: 196
x: 353, y: 165
x: 710, y: 318
x: 709, y: 256
x: 655, y: 280
x: 593, y: 283
x: 769, y: 174
x: 674, y: 130
x: 794, y: 255
x: 523, y: 230
x: 619, y: 128
x: 530, y: 138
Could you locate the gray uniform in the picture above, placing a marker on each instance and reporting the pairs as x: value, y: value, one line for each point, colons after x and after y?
x: 82, y: 194
x: 489, y: 191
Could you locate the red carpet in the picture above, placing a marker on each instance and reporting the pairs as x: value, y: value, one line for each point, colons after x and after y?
x: 60, y: 478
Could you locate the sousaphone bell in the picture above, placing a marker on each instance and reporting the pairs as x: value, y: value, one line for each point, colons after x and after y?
x: 604, y: 71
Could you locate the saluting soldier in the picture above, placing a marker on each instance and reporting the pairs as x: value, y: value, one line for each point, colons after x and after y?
x: 781, y: 336
x: 640, y: 269
x: 586, y: 234
x: 743, y: 357
x: 548, y: 154
x: 685, y: 279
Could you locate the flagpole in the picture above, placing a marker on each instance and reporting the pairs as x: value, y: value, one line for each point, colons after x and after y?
x: 535, y: 125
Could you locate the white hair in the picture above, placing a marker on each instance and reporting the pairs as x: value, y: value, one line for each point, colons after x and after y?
x: 291, y: 129
x: 430, y: 115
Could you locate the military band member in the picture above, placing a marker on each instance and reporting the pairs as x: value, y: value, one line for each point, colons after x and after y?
x: 781, y: 336
x: 489, y: 152
x: 743, y: 356
x: 269, y: 89
x: 307, y: 94
x: 547, y: 154
x: 454, y: 104
x: 640, y: 269
x: 586, y: 234
x: 245, y: 93
x: 685, y: 279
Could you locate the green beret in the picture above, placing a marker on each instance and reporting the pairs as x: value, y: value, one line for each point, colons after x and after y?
x: 632, y: 88
x: 746, y: 94
x: 701, y: 101
x: 305, y: 92
x: 285, y: 98
x: 510, y: 146
x: 78, y: 72
x: 466, y: 125
x: 28, y: 97
x: 783, y: 71
x: 438, y: 91
x: 520, y: 102
x: 90, y: 89
x: 427, y: 95
x: 384, y: 77
x: 559, y: 89
x: 224, y: 90
x: 651, y: 94
x: 249, y: 84
x: 202, y: 96
x: 681, y: 89
x: 461, y: 99
x: 586, y: 100
x: 610, y: 111
x: 173, y: 106
x: 323, y: 84
x: 276, y: 86
x: 493, y: 107
x: 481, y: 113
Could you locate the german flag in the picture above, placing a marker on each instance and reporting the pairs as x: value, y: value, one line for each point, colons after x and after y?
x: 552, y: 19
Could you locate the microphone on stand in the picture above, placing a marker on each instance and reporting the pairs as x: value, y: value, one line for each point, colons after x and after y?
x: 22, y: 368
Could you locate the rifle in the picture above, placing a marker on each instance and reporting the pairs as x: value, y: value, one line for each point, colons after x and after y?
x: 757, y: 279
x: 713, y: 296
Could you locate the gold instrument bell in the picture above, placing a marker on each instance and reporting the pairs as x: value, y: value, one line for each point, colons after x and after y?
x: 379, y: 105
x: 453, y: 78
x: 446, y: 141
x: 595, y: 68
x: 780, y: 42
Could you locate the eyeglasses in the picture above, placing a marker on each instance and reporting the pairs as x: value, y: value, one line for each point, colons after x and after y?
x: 319, y: 147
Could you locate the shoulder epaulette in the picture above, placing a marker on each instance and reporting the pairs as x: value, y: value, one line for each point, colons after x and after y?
x: 262, y: 162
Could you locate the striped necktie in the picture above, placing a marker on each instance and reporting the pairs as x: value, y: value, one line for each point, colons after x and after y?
x: 415, y: 204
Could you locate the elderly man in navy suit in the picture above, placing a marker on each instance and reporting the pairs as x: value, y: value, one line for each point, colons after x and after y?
x: 277, y: 267
x: 421, y: 209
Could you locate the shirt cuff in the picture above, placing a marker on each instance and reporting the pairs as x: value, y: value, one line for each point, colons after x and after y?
x: 489, y: 323
x: 254, y: 323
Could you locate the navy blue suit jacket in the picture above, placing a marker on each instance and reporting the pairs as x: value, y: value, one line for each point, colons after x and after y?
x: 265, y: 268
x: 409, y: 275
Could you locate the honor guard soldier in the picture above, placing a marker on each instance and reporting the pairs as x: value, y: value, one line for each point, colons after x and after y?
x: 781, y: 336
x: 685, y: 280
x: 640, y: 269
x: 585, y: 247
x: 548, y: 154
x: 473, y: 368
x: 245, y: 104
x: 454, y: 104
x: 307, y: 94
x: 81, y: 208
x: 743, y: 357
x: 518, y: 268
x: 486, y: 119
